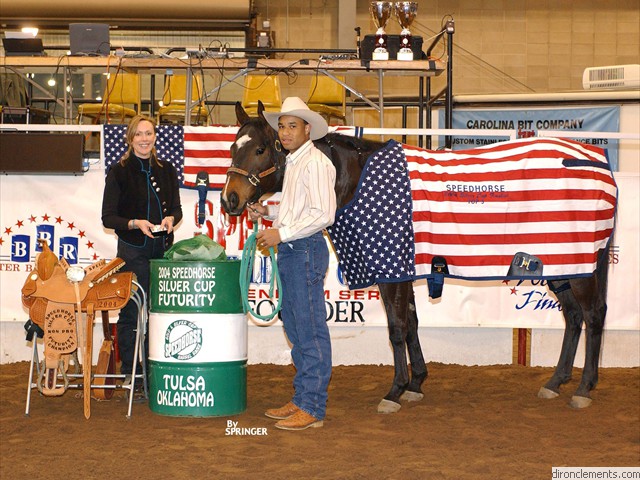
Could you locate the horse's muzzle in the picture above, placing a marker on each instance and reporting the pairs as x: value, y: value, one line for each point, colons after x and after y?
x: 231, y: 204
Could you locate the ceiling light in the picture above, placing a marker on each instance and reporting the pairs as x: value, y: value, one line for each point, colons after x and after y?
x: 30, y: 30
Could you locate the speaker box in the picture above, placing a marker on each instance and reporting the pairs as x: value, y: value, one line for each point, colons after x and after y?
x: 36, y: 152
x: 23, y: 115
x: 393, y: 45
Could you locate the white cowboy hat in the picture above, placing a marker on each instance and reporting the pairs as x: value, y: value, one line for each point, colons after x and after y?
x: 295, y: 107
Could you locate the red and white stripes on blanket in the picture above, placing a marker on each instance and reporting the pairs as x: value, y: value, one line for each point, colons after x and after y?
x: 552, y: 198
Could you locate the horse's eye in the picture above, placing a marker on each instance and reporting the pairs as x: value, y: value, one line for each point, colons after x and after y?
x: 260, y: 150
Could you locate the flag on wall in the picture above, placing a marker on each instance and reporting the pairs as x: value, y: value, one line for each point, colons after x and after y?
x: 188, y: 149
x: 207, y: 149
x: 169, y: 145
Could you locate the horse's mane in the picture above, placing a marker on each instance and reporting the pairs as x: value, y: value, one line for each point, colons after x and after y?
x: 347, y: 144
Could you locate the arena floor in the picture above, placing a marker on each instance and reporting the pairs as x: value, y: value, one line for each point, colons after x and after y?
x: 474, y: 423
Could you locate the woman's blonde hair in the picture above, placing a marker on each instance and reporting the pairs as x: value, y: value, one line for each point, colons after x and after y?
x: 131, y: 132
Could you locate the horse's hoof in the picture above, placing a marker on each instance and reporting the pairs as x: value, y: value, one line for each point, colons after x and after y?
x: 580, y: 402
x: 387, y: 406
x: 546, y: 393
x: 409, y: 396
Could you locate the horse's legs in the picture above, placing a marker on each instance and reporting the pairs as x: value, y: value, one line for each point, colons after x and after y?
x: 573, y: 328
x: 418, y: 366
x: 395, y: 297
x: 585, y: 300
x: 594, y: 306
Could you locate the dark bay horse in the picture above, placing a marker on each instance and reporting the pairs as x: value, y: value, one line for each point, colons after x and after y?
x: 258, y: 164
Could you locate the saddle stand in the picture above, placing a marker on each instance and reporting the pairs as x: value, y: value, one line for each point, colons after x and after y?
x: 62, y: 302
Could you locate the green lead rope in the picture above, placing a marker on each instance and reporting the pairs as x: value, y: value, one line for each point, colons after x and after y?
x: 246, y: 270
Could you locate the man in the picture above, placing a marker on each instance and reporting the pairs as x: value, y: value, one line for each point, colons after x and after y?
x: 307, y: 207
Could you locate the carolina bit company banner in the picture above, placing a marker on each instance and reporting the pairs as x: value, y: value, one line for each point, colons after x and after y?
x: 527, y: 122
x: 65, y: 210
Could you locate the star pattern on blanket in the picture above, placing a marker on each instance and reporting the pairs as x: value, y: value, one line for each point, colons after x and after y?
x: 381, y: 215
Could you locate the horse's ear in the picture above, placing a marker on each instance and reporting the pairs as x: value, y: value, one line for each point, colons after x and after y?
x: 260, y: 108
x: 241, y: 115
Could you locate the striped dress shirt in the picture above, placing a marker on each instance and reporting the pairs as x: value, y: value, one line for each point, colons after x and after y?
x: 308, y: 202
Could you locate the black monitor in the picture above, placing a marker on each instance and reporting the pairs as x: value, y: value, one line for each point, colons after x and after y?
x: 89, y: 39
x: 22, y: 47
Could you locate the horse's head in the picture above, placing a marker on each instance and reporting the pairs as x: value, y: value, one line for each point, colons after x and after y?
x: 257, y: 162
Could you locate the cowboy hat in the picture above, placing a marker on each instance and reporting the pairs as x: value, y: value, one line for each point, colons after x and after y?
x: 295, y: 107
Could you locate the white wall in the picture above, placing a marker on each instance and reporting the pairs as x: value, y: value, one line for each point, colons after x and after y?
x: 370, y: 346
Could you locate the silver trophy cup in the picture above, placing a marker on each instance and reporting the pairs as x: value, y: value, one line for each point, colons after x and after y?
x: 405, y: 13
x: 380, y: 12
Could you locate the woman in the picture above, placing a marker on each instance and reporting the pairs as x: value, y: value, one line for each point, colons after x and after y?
x: 141, y: 196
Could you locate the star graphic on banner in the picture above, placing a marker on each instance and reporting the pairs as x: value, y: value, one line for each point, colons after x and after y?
x: 9, y: 231
x: 514, y: 290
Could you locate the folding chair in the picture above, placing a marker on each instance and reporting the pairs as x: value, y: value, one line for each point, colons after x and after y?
x: 263, y: 88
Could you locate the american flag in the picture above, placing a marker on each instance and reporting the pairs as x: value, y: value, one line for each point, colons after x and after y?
x: 551, y: 198
x: 169, y: 145
x: 208, y: 149
x: 189, y: 149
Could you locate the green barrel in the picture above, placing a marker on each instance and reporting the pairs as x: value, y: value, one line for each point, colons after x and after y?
x: 197, y: 339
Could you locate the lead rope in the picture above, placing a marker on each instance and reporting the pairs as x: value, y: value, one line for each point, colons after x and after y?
x: 246, y: 270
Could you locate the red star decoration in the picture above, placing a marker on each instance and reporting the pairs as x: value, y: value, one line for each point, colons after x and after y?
x: 1, y: 240
x: 81, y: 234
x: 70, y: 226
x: 7, y: 230
x: 58, y: 219
x: 514, y: 291
x: 45, y: 218
x: 19, y: 223
x: 89, y: 244
x: 95, y: 256
x: 506, y: 282
x: 32, y: 219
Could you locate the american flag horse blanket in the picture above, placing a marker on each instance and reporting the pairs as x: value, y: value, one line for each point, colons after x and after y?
x: 406, y: 213
x: 474, y: 211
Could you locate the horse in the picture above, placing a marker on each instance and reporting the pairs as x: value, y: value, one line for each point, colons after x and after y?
x: 258, y: 165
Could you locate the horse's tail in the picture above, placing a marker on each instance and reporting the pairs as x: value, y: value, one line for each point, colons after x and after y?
x: 605, y: 256
x: 602, y: 269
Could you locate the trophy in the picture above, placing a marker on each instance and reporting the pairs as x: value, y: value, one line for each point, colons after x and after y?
x: 380, y: 12
x: 405, y: 13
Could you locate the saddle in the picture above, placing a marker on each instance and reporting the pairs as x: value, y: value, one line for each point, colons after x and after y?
x: 57, y: 295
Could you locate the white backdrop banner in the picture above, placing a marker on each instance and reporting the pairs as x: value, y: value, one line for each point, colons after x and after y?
x: 66, y: 211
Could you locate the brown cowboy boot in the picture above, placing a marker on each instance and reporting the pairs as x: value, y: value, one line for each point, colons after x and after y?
x: 282, y: 412
x: 299, y: 421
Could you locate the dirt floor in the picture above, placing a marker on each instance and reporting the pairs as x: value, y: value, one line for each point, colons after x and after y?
x: 474, y: 422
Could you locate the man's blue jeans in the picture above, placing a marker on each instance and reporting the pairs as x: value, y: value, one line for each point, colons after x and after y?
x: 303, y: 264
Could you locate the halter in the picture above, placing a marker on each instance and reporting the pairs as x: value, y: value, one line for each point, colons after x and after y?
x: 252, y: 177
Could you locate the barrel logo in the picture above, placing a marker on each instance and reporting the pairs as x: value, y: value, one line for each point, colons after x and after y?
x: 182, y: 340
